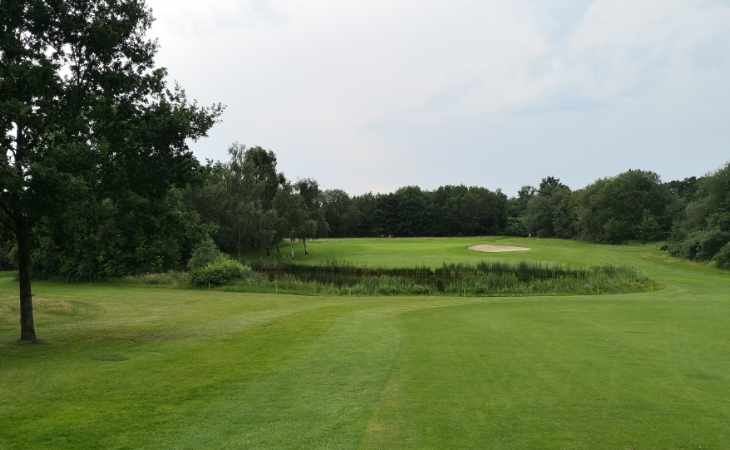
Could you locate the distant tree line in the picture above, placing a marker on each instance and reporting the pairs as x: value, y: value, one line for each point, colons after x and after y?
x: 245, y: 204
x: 633, y: 206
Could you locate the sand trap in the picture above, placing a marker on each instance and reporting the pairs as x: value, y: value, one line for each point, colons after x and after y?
x: 491, y: 248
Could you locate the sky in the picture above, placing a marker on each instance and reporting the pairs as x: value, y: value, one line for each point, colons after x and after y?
x: 378, y: 94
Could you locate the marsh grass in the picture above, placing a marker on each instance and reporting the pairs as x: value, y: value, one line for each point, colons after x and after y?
x: 482, y: 279
x: 165, y: 279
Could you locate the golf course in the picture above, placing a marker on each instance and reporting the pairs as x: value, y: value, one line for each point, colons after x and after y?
x: 124, y: 366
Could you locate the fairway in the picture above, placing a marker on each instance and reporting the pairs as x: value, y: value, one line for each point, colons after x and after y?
x: 124, y: 367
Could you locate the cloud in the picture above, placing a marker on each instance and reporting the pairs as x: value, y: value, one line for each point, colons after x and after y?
x: 389, y: 93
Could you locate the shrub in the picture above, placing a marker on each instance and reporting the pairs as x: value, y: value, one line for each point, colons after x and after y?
x: 701, y: 245
x: 722, y: 258
x: 221, y: 271
x: 205, y: 253
x: 713, y: 242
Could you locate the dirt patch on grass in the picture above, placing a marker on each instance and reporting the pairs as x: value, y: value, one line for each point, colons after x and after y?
x: 491, y: 248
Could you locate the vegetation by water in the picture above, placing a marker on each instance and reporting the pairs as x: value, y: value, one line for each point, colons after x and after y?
x: 482, y: 279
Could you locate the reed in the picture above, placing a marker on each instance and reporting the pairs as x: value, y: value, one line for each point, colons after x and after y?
x: 483, y: 279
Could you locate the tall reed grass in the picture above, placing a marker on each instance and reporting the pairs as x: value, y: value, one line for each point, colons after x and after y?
x: 483, y: 279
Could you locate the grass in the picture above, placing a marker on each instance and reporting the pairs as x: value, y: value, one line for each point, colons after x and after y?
x: 466, y: 280
x: 142, y: 367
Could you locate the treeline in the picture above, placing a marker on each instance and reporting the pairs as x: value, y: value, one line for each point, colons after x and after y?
x: 246, y: 204
x: 411, y: 211
x: 633, y: 206
x: 702, y: 229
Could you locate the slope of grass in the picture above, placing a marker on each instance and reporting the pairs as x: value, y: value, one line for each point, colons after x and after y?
x: 134, y: 367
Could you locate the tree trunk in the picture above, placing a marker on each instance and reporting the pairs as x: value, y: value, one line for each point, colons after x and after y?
x: 291, y: 244
x: 27, y: 324
x: 306, y: 252
x: 22, y: 235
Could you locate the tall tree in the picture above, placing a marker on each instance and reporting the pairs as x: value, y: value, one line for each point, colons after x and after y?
x: 236, y: 197
x: 340, y: 212
x: 550, y: 212
x: 291, y: 212
x: 83, y: 106
x: 308, y: 190
x: 702, y: 230
x: 634, y: 205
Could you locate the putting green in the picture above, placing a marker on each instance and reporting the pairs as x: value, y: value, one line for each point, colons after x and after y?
x: 153, y: 368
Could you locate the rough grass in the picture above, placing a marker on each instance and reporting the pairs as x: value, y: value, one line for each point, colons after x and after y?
x: 453, y: 279
x: 140, y: 367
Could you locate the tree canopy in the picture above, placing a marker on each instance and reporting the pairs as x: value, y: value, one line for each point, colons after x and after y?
x: 87, y: 121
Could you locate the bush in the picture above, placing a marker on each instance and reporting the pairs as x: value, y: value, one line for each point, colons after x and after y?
x: 205, y: 253
x: 701, y: 245
x: 722, y: 258
x: 221, y: 271
x: 713, y: 242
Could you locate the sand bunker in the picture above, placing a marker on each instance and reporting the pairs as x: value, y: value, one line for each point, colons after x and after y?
x: 491, y: 248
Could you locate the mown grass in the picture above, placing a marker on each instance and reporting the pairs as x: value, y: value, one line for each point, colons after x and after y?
x: 137, y: 367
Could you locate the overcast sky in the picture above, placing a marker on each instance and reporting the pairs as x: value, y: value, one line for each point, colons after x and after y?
x: 373, y: 95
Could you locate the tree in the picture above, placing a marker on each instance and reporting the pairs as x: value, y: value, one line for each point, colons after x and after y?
x: 341, y: 213
x: 260, y: 175
x: 516, y: 212
x: 116, y: 234
x: 314, y: 223
x: 634, y: 205
x: 549, y: 211
x: 83, y: 107
x: 307, y: 230
x: 702, y: 231
x: 236, y: 197
x: 291, y: 212
x: 205, y: 253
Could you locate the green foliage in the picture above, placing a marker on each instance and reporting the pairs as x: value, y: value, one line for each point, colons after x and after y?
x: 412, y: 211
x: 250, y: 205
x: 95, y: 142
x: 702, y: 232
x: 549, y: 211
x: 700, y: 245
x: 220, y: 272
x: 722, y: 257
x: 7, y: 253
x: 482, y: 279
x: 131, y: 235
x: 632, y: 206
x: 205, y: 253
